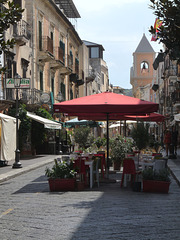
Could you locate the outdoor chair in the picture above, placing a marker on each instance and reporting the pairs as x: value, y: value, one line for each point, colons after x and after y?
x: 80, y: 168
x: 129, y: 169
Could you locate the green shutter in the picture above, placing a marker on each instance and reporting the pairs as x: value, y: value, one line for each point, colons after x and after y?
x: 62, y: 46
x: 40, y: 35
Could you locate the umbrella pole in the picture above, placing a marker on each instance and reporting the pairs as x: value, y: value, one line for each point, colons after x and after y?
x: 107, y: 146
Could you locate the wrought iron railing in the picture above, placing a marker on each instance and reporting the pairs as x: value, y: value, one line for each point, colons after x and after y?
x: 59, y: 54
x: 47, y: 45
x: 21, y: 29
x: 28, y: 96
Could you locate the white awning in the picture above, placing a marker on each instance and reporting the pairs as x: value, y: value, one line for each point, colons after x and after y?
x: 47, y: 123
x: 177, y: 117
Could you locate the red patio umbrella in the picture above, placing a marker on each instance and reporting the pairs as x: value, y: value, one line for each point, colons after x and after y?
x: 106, y: 102
x: 107, y: 105
x: 152, y: 117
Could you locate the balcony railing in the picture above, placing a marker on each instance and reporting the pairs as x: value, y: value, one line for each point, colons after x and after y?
x: 69, y: 61
x: 21, y: 32
x: 59, y: 54
x: 28, y: 96
x: 47, y: 45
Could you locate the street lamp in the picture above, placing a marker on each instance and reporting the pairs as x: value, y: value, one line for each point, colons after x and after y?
x: 60, y: 98
x: 17, y: 83
x: 171, y: 90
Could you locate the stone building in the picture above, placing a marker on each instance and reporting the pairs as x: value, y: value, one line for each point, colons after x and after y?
x: 142, y: 74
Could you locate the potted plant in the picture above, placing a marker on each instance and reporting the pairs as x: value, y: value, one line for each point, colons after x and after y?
x: 140, y: 135
x: 154, y: 181
x: 119, y: 146
x: 62, y: 176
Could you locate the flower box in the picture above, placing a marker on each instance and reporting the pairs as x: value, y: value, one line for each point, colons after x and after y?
x: 155, y: 186
x: 58, y: 184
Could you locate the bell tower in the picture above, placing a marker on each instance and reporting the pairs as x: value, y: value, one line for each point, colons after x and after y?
x: 142, y: 74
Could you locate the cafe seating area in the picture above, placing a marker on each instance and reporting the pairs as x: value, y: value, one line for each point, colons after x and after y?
x: 135, y: 163
x: 91, y: 168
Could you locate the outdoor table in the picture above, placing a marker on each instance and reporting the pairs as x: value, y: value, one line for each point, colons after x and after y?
x: 90, y: 164
x: 103, y: 163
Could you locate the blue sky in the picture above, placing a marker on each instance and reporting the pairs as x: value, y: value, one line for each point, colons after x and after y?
x: 119, y: 26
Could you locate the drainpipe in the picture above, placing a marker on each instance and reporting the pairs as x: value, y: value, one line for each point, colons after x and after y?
x: 33, y: 50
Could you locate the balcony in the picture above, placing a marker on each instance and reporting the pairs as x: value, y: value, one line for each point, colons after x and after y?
x: 59, y: 60
x: 29, y: 96
x: 21, y: 33
x: 46, y: 53
x: 91, y: 76
x: 67, y: 68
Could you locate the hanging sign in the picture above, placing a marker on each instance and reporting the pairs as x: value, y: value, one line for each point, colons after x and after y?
x: 24, y: 83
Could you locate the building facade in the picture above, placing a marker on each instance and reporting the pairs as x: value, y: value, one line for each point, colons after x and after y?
x: 50, y: 53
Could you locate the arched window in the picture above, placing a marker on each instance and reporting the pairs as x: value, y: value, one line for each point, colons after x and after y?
x: 144, y: 67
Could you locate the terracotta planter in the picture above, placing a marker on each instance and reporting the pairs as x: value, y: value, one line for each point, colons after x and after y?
x: 80, y: 186
x: 116, y: 165
x: 58, y: 184
x: 155, y: 186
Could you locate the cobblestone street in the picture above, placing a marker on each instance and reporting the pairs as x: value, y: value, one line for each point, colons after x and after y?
x: 29, y: 211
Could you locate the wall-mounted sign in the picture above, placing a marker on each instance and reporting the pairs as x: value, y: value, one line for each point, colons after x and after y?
x: 45, y: 98
x: 25, y: 83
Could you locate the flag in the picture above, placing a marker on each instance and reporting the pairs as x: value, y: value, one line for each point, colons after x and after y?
x: 158, y: 23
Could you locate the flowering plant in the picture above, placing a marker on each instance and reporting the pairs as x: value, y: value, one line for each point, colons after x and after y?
x: 61, y: 169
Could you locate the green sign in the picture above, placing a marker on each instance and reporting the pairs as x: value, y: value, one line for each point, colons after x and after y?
x: 24, y: 83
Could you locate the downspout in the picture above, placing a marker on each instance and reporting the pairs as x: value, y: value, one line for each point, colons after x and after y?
x: 107, y: 146
x: 33, y: 50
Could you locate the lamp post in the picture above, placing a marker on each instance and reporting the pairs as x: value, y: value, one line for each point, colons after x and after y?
x: 171, y: 90
x: 17, y: 82
x: 60, y: 98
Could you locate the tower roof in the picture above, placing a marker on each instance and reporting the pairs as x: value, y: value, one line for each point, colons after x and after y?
x: 144, y: 46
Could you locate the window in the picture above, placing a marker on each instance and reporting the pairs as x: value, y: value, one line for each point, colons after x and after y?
x: 144, y: 67
x: 41, y: 80
x: 71, y: 57
x: 25, y: 65
x: 14, y: 68
x: 94, y: 52
x: 9, y: 68
x: 63, y: 90
x: 102, y: 78
x: 71, y: 94
x: 62, y: 46
x: 51, y: 35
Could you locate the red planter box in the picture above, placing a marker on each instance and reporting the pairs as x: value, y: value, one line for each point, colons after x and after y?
x: 56, y: 185
x: 155, y: 186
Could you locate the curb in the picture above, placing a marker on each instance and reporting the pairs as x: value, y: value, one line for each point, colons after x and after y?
x: 20, y: 171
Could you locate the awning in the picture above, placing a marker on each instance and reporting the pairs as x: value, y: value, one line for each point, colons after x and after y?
x: 47, y: 123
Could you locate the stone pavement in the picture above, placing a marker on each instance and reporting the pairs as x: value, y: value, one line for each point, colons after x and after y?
x: 29, y: 211
x: 31, y: 163
x: 28, y: 164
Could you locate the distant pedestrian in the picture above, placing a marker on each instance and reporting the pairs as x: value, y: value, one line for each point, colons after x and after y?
x: 167, y: 140
x: 175, y: 139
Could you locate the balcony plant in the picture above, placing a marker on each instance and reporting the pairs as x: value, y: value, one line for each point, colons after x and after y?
x: 154, y: 181
x: 62, y: 176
